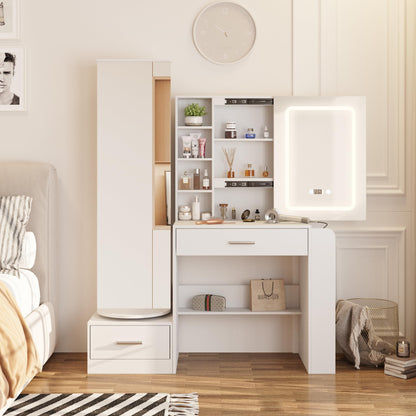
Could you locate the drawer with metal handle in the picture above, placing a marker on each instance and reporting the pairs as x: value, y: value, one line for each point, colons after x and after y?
x: 129, y: 342
x: 242, y: 241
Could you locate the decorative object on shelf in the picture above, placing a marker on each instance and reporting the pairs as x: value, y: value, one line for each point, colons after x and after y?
x: 186, y: 146
x: 403, y: 348
x: 197, y: 179
x: 257, y: 215
x: 186, y: 182
x: 233, y: 214
x: 211, y: 221
x: 223, y: 209
x: 245, y: 216
x: 205, y: 180
x: 267, y: 295
x: 213, y: 303
x: 250, y: 133
x: 229, y: 155
x: 202, y: 146
x: 9, y: 19
x: 249, y: 171
x: 224, y: 32
x: 206, y: 215
x: 12, y: 68
x: 230, y: 130
x: 185, y: 213
x: 266, y: 134
x: 265, y: 172
x: 196, y: 209
x: 194, y: 114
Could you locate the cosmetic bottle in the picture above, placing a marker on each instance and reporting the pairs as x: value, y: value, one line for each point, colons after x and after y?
x: 257, y: 215
x: 196, y: 209
x: 265, y: 172
x: 249, y: 171
x: 266, y: 132
x: 185, y: 183
x: 205, y: 180
x: 197, y: 179
x: 233, y: 214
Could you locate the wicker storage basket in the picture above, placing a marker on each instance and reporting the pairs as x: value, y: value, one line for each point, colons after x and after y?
x: 384, y: 316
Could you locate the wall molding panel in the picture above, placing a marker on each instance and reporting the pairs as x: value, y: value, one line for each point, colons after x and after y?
x: 371, y: 263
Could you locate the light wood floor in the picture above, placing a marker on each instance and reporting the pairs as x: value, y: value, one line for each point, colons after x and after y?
x: 246, y: 385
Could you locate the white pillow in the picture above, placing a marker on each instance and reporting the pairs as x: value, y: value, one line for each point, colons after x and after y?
x: 27, y: 261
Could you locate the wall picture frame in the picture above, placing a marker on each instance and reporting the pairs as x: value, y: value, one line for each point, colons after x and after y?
x: 12, y: 78
x: 9, y: 19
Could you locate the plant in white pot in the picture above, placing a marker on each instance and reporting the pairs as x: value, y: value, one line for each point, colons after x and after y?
x: 194, y: 114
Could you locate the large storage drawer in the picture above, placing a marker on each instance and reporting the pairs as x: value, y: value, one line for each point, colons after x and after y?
x: 129, y: 342
x: 240, y: 242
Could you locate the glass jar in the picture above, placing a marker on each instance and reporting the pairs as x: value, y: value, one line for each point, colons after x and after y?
x: 230, y: 130
x: 250, y: 133
x: 249, y: 171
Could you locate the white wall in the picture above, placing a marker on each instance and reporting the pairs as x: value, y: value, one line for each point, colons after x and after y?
x: 62, y: 42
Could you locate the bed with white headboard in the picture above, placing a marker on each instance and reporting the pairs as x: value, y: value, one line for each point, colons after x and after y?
x: 38, y: 180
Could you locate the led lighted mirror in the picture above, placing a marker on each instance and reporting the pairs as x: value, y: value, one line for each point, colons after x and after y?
x: 320, y: 156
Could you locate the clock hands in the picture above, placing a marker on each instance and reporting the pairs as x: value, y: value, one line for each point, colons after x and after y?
x: 222, y: 30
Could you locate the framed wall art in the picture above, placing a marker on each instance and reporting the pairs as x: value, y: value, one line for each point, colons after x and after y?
x: 12, y: 79
x: 9, y: 19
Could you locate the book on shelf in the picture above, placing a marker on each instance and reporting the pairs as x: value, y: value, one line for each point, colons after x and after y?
x: 400, y: 374
x: 401, y: 361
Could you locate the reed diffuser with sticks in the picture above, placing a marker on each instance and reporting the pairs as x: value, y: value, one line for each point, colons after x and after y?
x: 229, y: 155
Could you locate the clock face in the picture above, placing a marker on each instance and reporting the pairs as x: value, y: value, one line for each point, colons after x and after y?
x: 224, y: 32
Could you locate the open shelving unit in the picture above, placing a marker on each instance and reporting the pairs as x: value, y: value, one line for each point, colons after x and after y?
x: 258, y: 151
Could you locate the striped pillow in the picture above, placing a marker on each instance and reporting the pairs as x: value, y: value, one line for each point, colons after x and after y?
x: 14, y: 215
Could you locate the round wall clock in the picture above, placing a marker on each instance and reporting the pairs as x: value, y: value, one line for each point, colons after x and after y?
x: 224, y: 32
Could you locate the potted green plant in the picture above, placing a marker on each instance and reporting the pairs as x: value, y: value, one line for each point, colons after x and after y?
x: 193, y: 114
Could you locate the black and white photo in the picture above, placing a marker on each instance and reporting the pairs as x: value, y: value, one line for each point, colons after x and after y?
x: 12, y: 94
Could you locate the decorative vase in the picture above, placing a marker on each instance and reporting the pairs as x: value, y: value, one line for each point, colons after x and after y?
x: 193, y: 121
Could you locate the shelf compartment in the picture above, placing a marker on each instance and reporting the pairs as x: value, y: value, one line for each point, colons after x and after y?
x: 238, y: 311
x: 195, y: 127
x: 243, y: 140
x: 194, y: 159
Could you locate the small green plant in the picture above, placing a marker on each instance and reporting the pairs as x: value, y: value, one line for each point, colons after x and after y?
x: 195, y: 109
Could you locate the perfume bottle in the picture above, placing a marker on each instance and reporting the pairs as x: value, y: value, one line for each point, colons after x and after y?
x: 266, y: 132
x: 185, y: 182
x: 249, y: 171
x: 265, y: 172
x: 257, y: 215
x: 205, y: 180
x: 197, y: 179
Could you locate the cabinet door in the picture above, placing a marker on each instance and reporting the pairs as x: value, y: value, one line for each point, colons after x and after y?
x: 124, y: 184
x: 319, y: 157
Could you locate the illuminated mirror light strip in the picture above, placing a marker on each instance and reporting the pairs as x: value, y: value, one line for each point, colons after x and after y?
x: 353, y: 204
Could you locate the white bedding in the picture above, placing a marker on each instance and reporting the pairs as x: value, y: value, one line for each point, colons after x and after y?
x: 25, y: 290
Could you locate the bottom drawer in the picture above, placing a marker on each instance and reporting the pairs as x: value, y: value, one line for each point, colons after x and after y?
x: 129, y: 342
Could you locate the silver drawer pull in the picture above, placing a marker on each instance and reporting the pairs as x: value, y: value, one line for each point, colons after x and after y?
x: 242, y: 242
x: 129, y: 342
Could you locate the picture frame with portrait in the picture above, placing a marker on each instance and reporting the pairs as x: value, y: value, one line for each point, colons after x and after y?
x: 9, y: 19
x: 12, y: 79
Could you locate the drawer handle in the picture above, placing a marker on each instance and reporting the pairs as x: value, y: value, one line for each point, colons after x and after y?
x: 242, y: 242
x: 129, y: 342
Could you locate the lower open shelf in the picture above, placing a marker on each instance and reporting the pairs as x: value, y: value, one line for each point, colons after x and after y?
x: 238, y: 311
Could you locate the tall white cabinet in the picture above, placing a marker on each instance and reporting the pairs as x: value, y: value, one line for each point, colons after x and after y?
x: 130, y: 332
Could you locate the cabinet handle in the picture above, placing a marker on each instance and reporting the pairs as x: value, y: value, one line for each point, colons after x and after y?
x: 242, y: 242
x: 129, y: 342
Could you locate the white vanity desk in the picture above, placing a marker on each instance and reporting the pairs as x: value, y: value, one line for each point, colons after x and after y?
x: 221, y: 259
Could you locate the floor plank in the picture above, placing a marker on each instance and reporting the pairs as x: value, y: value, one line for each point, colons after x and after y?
x: 246, y: 385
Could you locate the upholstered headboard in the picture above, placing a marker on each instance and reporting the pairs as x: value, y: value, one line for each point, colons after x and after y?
x: 37, y: 180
